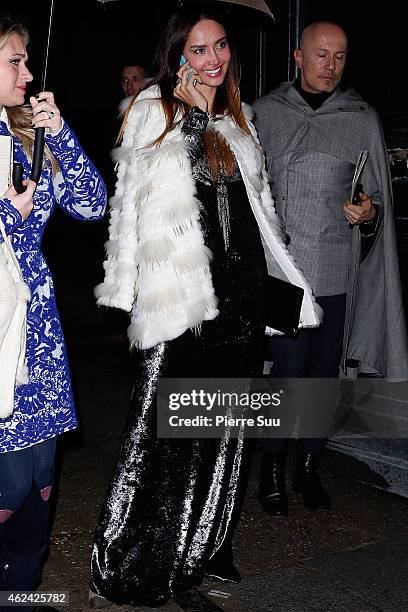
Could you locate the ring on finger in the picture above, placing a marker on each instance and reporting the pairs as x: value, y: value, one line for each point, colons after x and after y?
x: 50, y: 114
x: 195, y: 82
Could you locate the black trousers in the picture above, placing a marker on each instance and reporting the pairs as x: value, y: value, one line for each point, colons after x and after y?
x: 315, y: 353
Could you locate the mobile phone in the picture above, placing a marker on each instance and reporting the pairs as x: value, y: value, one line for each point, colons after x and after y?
x: 182, y: 60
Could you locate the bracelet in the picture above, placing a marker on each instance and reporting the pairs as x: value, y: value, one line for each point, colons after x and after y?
x: 370, y: 221
x: 370, y: 225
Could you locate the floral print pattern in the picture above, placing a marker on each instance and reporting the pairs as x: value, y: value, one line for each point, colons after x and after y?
x: 44, y: 407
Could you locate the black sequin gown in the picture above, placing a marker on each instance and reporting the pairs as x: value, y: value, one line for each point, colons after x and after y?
x: 172, y: 503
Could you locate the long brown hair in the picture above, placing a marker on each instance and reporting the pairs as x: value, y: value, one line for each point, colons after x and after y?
x: 166, y: 64
x: 20, y: 117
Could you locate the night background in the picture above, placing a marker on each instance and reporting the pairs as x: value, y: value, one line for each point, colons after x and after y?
x: 91, y: 41
x: 353, y: 558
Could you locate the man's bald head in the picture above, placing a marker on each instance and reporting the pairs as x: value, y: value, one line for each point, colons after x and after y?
x: 322, y: 56
x: 317, y: 28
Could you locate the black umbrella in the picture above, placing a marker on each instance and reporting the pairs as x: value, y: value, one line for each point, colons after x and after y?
x: 38, y: 149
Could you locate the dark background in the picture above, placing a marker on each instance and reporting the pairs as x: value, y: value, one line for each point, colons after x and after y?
x: 92, y: 40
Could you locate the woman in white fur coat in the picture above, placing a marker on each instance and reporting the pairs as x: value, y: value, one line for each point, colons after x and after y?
x: 193, y: 233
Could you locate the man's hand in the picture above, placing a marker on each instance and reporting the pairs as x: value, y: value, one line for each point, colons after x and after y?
x: 359, y: 214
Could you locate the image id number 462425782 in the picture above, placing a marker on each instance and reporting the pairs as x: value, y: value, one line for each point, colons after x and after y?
x: 24, y: 598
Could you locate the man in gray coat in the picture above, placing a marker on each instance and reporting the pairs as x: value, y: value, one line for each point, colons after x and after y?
x: 312, y: 133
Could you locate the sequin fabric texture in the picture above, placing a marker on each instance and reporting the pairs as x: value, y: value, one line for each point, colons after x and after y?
x: 44, y: 407
x: 172, y: 504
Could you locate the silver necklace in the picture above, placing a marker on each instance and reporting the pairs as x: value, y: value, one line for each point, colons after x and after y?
x: 222, y: 195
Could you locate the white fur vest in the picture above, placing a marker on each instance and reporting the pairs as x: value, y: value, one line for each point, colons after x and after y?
x: 157, y: 264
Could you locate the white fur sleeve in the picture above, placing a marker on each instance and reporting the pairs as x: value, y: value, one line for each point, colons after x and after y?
x: 119, y: 286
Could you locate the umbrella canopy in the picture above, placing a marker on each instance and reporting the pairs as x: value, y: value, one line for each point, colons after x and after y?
x: 259, y: 5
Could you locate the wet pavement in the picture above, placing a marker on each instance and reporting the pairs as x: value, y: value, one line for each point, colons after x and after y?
x: 353, y: 558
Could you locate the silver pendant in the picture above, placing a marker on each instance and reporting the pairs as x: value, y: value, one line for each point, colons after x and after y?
x: 223, y: 212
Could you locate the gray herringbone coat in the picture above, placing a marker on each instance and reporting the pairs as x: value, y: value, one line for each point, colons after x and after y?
x: 311, y: 157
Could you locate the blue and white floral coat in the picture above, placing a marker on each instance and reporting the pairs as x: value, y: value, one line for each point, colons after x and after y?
x: 44, y: 407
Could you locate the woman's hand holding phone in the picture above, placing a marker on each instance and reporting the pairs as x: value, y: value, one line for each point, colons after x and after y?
x: 186, y: 87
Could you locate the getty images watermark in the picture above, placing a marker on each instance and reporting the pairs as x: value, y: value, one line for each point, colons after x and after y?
x: 234, y: 406
x: 213, y: 408
x: 281, y: 408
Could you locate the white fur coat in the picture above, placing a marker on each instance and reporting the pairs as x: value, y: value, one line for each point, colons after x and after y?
x: 157, y: 264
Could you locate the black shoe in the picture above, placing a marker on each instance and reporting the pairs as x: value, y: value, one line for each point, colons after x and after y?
x: 306, y: 481
x: 272, y: 490
x: 221, y: 567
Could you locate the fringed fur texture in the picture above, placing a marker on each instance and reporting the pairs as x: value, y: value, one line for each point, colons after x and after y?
x: 157, y: 263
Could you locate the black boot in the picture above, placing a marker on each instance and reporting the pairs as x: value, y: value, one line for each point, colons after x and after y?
x: 221, y: 565
x: 272, y: 491
x: 306, y: 481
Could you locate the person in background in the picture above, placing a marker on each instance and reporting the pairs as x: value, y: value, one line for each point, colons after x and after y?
x: 312, y: 133
x: 43, y: 407
x: 134, y: 78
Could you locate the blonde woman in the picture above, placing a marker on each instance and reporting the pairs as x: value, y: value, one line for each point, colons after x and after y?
x: 43, y: 407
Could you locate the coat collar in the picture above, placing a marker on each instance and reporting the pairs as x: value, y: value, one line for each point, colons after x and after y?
x: 341, y: 100
x: 4, y: 117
